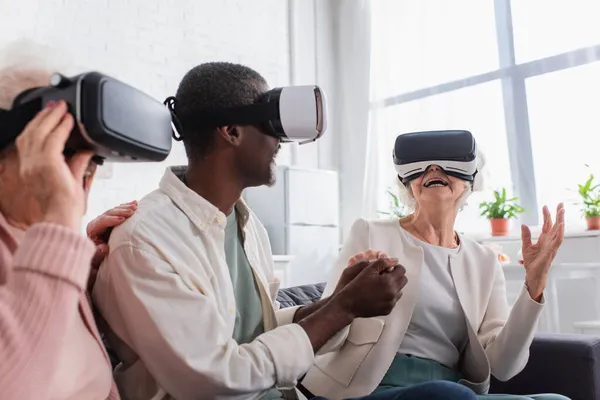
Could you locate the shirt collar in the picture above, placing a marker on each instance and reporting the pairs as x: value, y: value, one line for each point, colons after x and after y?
x: 202, y: 212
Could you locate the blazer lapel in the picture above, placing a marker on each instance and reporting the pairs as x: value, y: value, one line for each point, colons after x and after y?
x: 474, y: 361
x: 412, y: 260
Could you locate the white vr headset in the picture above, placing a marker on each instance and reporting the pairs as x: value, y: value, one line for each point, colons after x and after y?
x: 291, y: 114
x: 454, y: 151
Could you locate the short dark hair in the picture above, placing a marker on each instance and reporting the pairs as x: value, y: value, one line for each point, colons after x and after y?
x: 209, y: 86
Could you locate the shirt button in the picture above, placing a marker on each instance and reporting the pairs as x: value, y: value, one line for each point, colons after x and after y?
x: 231, y: 310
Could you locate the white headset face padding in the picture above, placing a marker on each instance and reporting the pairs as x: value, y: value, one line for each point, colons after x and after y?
x: 478, y: 182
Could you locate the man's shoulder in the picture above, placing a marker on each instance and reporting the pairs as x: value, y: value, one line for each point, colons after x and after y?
x: 253, y: 218
x: 156, y: 213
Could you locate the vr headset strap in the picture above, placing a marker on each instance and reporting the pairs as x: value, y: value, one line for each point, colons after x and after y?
x: 12, y: 122
x: 241, y: 115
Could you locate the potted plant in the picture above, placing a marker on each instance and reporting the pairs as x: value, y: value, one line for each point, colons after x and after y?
x: 500, y: 212
x: 396, y: 208
x: 590, y: 194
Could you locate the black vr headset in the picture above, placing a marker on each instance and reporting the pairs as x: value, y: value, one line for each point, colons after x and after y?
x: 112, y: 119
x: 455, y: 151
x: 291, y: 114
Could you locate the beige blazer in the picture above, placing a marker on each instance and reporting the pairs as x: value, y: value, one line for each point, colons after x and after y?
x: 499, y: 339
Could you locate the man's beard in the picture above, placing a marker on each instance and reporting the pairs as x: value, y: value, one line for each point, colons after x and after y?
x: 273, y: 168
x: 272, y: 173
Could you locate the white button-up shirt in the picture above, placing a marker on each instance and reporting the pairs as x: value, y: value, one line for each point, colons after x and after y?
x: 166, y: 293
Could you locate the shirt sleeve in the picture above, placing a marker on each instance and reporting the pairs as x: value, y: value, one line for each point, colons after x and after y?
x: 182, y: 338
x: 39, y: 299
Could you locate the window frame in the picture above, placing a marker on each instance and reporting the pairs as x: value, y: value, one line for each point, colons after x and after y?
x: 512, y: 77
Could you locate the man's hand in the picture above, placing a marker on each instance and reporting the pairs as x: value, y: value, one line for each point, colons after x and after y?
x: 375, y: 290
x: 355, y: 267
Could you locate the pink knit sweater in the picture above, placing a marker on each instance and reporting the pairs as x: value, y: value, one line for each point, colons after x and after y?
x: 49, y: 344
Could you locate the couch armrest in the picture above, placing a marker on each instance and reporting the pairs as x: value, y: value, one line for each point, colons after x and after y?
x: 564, y: 364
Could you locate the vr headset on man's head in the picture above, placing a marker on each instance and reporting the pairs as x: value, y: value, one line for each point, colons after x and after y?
x: 455, y: 151
x: 114, y: 120
x: 291, y: 114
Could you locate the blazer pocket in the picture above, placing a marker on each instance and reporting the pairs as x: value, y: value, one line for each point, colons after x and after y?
x: 365, y: 331
x: 342, y: 365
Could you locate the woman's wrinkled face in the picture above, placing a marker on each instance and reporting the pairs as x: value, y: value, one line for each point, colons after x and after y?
x: 435, y: 188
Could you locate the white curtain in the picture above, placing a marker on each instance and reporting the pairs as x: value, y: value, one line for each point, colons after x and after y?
x: 353, y: 45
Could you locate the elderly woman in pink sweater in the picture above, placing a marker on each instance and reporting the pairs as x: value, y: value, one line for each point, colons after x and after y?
x: 49, y: 342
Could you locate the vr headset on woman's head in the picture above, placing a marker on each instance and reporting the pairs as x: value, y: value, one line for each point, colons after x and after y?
x: 114, y: 120
x: 455, y: 151
x: 291, y: 114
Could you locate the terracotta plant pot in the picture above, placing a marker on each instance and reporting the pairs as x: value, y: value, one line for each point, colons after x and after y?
x: 499, y: 226
x: 593, y: 223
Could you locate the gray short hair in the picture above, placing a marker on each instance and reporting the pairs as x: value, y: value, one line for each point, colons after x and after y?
x: 407, y: 198
x: 23, y: 65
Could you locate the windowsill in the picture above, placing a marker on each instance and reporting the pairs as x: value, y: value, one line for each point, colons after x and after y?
x: 282, y: 258
x: 486, y: 236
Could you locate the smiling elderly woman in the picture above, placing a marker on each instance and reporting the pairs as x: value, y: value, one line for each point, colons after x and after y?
x: 453, y: 321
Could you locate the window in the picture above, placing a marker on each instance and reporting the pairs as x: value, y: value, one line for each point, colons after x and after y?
x: 565, y: 134
x: 477, y: 109
x: 545, y: 28
x: 436, y: 65
x: 418, y: 44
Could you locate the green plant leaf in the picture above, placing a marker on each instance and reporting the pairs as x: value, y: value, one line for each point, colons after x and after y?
x: 590, y: 196
x: 501, y: 207
x: 396, y: 209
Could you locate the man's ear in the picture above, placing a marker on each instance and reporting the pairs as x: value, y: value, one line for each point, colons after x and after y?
x: 231, y: 134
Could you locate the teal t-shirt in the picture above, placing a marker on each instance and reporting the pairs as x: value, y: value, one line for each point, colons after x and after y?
x: 249, y: 321
x: 249, y: 313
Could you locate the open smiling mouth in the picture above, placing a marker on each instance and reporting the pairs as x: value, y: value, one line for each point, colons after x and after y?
x: 435, y: 183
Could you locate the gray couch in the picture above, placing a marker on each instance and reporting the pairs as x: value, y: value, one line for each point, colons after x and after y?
x: 563, y: 364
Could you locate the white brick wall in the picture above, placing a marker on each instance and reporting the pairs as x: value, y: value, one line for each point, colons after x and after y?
x: 151, y: 44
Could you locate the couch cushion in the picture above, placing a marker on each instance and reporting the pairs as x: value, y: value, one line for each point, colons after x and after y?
x: 300, y: 295
x: 565, y: 364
